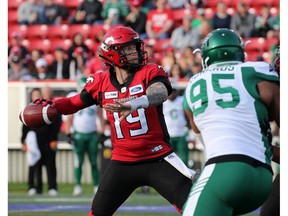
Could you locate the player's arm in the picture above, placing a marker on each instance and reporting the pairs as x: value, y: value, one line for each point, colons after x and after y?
x: 276, y: 154
x: 156, y: 94
x: 69, y: 105
x: 270, y: 94
x: 195, y: 129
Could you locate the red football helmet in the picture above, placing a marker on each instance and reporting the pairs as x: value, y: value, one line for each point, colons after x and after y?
x: 114, y: 41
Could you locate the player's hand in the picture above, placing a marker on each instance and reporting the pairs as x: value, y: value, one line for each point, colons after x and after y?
x: 44, y: 102
x: 53, y: 145
x: 123, y: 108
x: 105, y: 141
x: 70, y: 139
x: 24, y: 148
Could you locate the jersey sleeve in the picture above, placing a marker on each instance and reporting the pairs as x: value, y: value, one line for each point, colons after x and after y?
x: 263, y: 71
x: 92, y: 88
x: 156, y: 73
x: 256, y: 72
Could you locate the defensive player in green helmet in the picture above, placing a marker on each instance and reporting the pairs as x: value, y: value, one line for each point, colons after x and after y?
x: 230, y: 105
x: 81, y: 128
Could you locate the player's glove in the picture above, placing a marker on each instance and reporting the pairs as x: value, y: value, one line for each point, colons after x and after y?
x: 105, y: 141
x: 44, y: 102
x: 70, y: 138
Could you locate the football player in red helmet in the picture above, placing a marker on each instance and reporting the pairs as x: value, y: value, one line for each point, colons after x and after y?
x: 117, y: 46
x: 132, y: 93
x: 271, y: 207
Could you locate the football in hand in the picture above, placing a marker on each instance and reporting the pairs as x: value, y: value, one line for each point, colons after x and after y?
x: 36, y: 116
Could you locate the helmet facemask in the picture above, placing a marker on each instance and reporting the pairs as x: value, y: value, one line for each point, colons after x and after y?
x: 132, y: 61
x: 119, y: 57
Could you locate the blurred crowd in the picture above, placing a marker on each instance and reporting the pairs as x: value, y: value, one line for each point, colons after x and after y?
x: 172, y: 31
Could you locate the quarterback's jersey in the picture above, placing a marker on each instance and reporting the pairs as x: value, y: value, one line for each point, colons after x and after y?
x: 228, y: 111
x: 143, y: 134
x: 84, y: 121
x: 175, y: 116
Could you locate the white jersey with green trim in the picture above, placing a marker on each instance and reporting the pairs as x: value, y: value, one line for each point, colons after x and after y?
x: 175, y: 117
x: 228, y: 111
x: 84, y: 121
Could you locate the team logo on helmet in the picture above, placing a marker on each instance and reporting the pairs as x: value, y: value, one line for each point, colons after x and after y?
x: 104, y: 45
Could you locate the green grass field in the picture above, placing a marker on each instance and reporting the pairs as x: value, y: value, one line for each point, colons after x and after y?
x: 17, y: 197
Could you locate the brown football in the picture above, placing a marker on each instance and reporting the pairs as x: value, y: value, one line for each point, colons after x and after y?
x: 35, y: 116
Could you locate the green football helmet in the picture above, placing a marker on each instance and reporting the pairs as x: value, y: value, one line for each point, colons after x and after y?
x: 222, y: 45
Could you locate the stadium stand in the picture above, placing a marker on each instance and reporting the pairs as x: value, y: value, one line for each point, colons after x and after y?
x: 14, y: 4
x: 255, y: 44
x: 59, y: 31
x: 40, y: 44
x: 84, y: 29
x: 12, y: 17
x: 49, y: 37
x: 59, y: 42
x: 37, y: 32
x: 22, y: 29
x: 72, y: 4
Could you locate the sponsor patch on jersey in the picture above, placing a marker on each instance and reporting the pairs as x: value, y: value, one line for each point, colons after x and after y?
x: 135, y: 89
x: 109, y: 95
x: 157, y: 148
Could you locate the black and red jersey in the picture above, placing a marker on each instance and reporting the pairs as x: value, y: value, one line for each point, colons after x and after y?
x: 143, y: 134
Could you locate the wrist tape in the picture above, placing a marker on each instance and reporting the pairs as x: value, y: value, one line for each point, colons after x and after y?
x: 138, y: 103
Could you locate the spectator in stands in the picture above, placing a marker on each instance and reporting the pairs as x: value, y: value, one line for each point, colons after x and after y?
x: 153, y: 57
x: 15, y: 41
x: 114, y: 12
x: 177, y: 4
x: 194, y: 69
x: 17, y: 70
x: 88, y: 12
x: 77, y: 41
x: 221, y: 19
x: 95, y: 64
x: 168, y: 59
x: 35, y: 55
x: 60, y: 64
x: 159, y: 22
x: 148, y: 5
x: 176, y: 72
x: 184, y: 35
x: 243, y: 22
x: 29, y: 12
x: 264, y: 23
x: 77, y: 65
x: 200, y: 17
x: 136, y: 19
x: 186, y: 60
x: 97, y: 39
x: 53, y: 13
x: 43, y: 71
x: 205, y: 28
